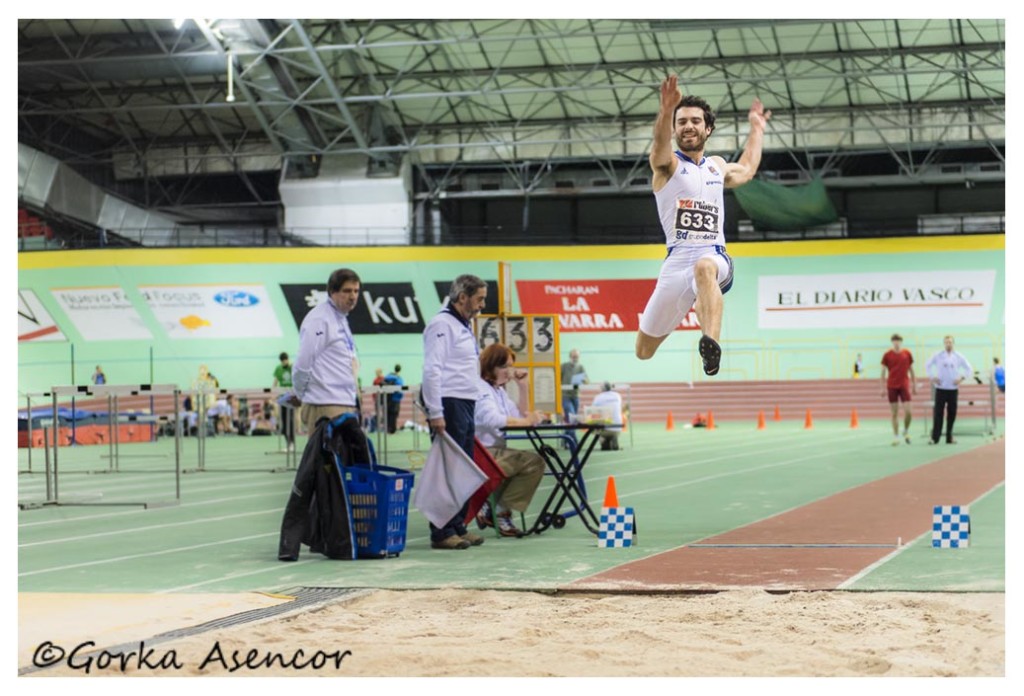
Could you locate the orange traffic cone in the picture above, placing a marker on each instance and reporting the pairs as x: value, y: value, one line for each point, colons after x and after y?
x: 854, y: 423
x: 670, y: 423
x: 611, y: 498
x: 808, y: 421
x: 778, y: 414
x: 760, y: 420
x: 711, y: 420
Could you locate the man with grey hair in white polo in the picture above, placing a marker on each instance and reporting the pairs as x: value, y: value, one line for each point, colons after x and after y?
x: 451, y: 387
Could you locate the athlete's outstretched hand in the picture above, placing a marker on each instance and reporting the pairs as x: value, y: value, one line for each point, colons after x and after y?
x: 670, y: 94
x: 758, y: 116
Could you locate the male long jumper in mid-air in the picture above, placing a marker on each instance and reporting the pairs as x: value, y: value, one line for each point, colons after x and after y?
x: 688, y: 188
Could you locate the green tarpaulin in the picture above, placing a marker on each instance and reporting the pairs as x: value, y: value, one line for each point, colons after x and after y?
x: 776, y: 207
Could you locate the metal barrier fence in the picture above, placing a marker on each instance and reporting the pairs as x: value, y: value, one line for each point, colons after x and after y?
x: 291, y: 454
x: 52, y: 427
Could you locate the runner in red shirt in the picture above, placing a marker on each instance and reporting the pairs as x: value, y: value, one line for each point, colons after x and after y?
x: 899, y: 364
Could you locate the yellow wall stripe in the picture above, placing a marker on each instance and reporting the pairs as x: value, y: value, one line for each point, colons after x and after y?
x: 342, y: 256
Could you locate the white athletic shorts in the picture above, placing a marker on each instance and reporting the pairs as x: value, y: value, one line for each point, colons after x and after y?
x: 677, y: 288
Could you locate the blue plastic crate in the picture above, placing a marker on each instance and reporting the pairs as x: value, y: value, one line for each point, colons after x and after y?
x: 378, y: 501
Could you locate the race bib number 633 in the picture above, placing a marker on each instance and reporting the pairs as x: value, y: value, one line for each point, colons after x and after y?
x: 696, y: 221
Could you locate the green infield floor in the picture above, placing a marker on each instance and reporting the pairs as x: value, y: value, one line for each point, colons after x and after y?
x: 685, y: 485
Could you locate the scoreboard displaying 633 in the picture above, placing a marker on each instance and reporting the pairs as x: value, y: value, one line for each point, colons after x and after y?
x: 534, y: 340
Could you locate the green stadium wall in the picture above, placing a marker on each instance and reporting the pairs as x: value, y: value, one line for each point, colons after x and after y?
x: 752, y: 352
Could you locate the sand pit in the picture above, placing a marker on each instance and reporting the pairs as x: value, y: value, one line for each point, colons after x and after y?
x: 488, y: 633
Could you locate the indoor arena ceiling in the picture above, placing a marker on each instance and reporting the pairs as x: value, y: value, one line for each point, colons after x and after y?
x: 156, y: 98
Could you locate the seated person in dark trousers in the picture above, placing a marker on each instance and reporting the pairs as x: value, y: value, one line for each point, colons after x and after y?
x: 263, y: 421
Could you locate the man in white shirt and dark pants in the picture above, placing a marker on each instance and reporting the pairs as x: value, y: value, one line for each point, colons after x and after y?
x: 946, y: 370
x: 610, y: 402
x: 326, y: 369
x: 451, y: 386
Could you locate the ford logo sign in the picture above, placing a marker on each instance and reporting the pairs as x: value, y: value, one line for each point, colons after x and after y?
x: 236, y: 298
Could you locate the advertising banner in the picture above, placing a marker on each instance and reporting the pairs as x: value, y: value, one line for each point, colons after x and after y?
x: 383, y: 308
x: 34, y: 322
x: 213, y: 311
x: 851, y: 300
x: 443, y: 287
x: 102, y: 313
x: 593, y: 305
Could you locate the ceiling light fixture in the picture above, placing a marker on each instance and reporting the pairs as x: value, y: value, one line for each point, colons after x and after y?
x: 231, y: 82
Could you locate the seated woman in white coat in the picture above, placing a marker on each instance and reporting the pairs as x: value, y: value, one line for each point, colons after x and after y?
x: 495, y: 410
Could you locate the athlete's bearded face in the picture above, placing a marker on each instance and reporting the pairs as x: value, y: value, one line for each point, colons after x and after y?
x: 690, y: 130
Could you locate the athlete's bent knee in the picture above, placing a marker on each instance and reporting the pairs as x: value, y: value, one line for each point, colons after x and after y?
x: 644, y: 352
x: 706, y: 270
x: 644, y: 349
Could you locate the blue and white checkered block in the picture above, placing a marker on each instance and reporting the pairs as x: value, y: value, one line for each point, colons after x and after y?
x: 615, y: 530
x: 951, y: 526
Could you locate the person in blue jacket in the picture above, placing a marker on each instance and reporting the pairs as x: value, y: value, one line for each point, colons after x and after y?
x: 394, y: 399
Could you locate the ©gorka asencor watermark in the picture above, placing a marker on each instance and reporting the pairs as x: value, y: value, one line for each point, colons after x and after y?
x: 84, y: 658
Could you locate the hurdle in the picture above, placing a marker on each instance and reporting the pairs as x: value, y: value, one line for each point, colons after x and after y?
x: 113, y: 393
x: 113, y: 420
x: 52, y: 465
x: 28, y: 411
x: 380, y: 399
x: 419, y: 410
x: 291, y: 456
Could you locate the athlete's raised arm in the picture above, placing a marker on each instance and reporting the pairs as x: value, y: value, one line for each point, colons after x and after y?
x: 740, y: 172
x: 663, y: 162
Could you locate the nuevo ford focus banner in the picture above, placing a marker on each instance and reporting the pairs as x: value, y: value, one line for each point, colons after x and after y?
x: 213, y: 311
x: 102, y: 313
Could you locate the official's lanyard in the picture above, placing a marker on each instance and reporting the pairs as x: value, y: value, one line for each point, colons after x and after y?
x: 347, y: 333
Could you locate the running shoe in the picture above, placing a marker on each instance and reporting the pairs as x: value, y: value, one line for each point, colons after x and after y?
x: 507, y: 529
x: 711, y: 352
x: 483, y: 518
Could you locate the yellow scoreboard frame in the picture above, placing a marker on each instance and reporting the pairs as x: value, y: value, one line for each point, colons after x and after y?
x: 532, y: 337
x: 534, y: 340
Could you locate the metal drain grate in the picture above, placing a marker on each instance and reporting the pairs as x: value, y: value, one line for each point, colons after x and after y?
x: 305, y: 598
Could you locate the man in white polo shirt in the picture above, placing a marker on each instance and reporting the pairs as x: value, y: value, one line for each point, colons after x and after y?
x: 610, y: 401
x: 946, y: 370
x: 326, y: 369
x: 451, y: 386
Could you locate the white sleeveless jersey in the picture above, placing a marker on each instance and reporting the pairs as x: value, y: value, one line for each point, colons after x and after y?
x: 692, y: 204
